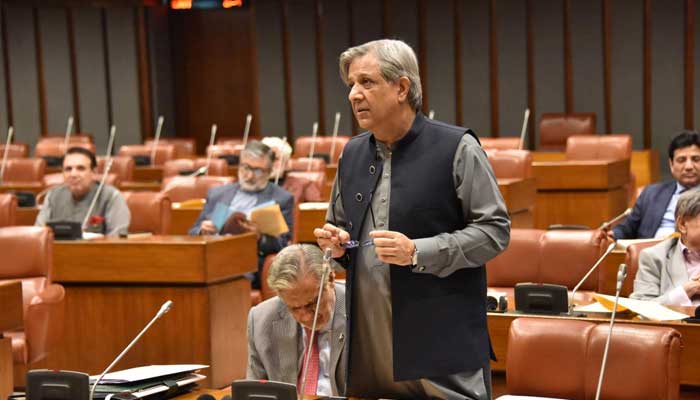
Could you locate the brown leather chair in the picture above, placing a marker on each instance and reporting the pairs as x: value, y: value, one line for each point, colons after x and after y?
x: 632, y: 262
x: 184, y: 147
x: 8, y: 209
x: 150, y: 212
x: 27, y: 256
x: 56, y: 148
x: 305, y: 186
x: 15, y: 150
x: 230, y: 141
x: 224, y: 150
x: 511, y: 164
x: 74, y: 137
x: 302, y: 164
x: 164, y: 152
x: 182, y: 188
x: 599, y: 147
x: 302, y: 146
x: 217, y: 166
x: 558, y: 257
x: 24, y: 170
x: 555, y: 128
x: 500, y: 143
x: 561, y: 358
x: 122, y: 167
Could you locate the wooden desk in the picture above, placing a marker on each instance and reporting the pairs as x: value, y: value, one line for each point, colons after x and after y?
x: 148, y: 173
x: 10, y: 318
x: 579, y: 192
x: 34, y: 187
x: 115, y: 286
x: 152, y: 186
x: 182, y: 219
x: 499, y: 324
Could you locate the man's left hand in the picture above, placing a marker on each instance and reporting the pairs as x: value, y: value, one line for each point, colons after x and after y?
x: 251, y: 226
x: 393, y: 247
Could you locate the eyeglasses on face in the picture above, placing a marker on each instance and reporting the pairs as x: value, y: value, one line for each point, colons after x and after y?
x: 258, y: 172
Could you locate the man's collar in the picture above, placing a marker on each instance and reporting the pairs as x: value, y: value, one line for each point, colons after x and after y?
x: 410, y: 136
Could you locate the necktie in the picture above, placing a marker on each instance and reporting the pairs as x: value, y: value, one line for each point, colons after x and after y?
x: 312, y: 369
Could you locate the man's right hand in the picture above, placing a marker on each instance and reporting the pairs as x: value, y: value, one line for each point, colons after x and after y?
x: 331, y: 236
x: 603, y: 236
x: 207, y: 228
x: 692, y: 287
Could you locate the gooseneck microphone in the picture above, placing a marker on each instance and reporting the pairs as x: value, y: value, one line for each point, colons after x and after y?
x: 616, y: 220
x: 163, y: 309
x: 621, y: 275
x: 327, y: 255
x: 590, y: 271
x: 108, y: 166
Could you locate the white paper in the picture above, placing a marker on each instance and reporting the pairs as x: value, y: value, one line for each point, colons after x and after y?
x: 313, y: 206
x: 511, y: 397
x: 648, y: 309
x: 146, y: 372
x: 594, y: 307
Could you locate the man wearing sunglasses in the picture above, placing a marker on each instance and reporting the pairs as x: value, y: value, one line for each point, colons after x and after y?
x: 279, y: 328
x: 253, y: 188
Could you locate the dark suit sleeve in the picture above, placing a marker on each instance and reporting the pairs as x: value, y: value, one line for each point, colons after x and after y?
x: 629, y: 228
x: 273, y: 244
x: 208, y: 209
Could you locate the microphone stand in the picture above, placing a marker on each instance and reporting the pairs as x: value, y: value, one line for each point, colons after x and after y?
x: 163, y: 309
x: 590, y: 271
x: 156, y: 139
x: 10, y: 133
x: 108, y: 166
x: 314, y: 133
x: 621, y: 275
x: 327, y: 254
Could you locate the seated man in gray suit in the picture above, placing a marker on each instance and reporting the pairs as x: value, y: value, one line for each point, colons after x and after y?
x: 279, y: 328
x: 669, y: 272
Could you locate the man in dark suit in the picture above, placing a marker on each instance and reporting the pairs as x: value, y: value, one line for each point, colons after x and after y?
x: 253, y: 188
x: 654, y: 210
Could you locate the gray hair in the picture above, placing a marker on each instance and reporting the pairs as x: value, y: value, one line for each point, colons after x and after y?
x: 688, y: 205
x: 257, y: 149
x: 293, y: 263
x: 395, y: 58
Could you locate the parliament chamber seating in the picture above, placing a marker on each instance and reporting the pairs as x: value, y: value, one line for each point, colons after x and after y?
x: 8, y: 209
x: 24, y: 170
x: 74, y: 137
x: 306, y: 164
x: 184, y: 147
x: 27, y: 253
x: 555, y: 128
x: 322, y: 146
x: 500, y: 143
x: 225, y: 150
x: 183, y: 188
x: 556, y: 257
x: 305, y: 186
x: 511, y: 164
x: 217, y: 166
x: 122, y: 167
x: 561, y: 358
x: 230, y: 141
x: 164, y: 152
x: 15, y: 150
x: 632, y: 262
x: 150, y: 212
x: 49, y: 147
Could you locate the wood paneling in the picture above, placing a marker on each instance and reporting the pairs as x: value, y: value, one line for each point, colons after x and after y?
x: 41, y: 82
x: 303, y: 72
x: 441, y: 61
x: 587, y: 59
x: 475, y: 67
x: 336, y: 39
x: 57, y: 68
x: 512, y: 66
x: 5, y: 90
x: 144, y: 75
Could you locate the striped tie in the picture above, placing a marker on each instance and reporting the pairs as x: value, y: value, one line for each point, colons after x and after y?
x: 312, y: 370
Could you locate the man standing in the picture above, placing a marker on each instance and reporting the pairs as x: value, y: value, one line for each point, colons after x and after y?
x: 71, y: 200
x: 418, y: 201
x: 253, y: 188
x: 279, y: 328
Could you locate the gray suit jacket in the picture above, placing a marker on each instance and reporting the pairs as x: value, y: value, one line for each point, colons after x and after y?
x: 661, y: 268
x: 275, y: 343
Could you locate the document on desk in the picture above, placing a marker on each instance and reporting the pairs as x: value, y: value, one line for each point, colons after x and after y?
x: 648, y: 309
x: 137, y: 374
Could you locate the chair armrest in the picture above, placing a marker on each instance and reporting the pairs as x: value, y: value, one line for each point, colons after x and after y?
x: 43, y: 324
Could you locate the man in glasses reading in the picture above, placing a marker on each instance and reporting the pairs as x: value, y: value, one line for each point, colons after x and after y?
x: 252, y: 189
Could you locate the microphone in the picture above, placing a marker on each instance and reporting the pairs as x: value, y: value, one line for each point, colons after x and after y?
x: 212, y: 137
x: 621, y: 275
x: 327, y: 255
x: 163, y: 309
x: 10, y: 132
x: 616, y: 220
x: 108, y: 166
x: 590, y: 271
x: 314, y: 133
x: 156, y: 139
x: 200, y: 171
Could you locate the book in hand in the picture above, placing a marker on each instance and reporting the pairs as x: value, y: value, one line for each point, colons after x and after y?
x: 268, y: 217
x: 153, y: 381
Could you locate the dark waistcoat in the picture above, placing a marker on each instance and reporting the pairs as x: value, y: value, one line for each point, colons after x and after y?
x: 439, y: 324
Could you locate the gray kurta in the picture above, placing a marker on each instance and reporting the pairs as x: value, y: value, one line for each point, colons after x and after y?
x: 59, y: 205
x: 441, y: 254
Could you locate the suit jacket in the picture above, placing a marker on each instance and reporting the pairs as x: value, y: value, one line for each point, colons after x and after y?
x: 225, y: 193
x: 661, y: 268
x: 647, y: 213
x: 275, y: 343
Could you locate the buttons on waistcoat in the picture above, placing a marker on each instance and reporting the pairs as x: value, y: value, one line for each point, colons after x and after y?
x: 372, y: 169
x: 358, y: 197
x: 350, y: 225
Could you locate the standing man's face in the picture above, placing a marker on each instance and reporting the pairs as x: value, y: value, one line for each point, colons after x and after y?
x: 685, y: 166
x: 374, y: 101
x: 77, y: 174
x: 253, y: 172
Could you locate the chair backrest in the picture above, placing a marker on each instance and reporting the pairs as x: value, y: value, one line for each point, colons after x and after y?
x: 599, y: 147
x: 511, y: 164
x: 305, y: 186
x: 164, y: 152
x: 15, y: 150
x: 182, y: 188
x: 74, y: 137
x: 500, y: 143
x: 323, y: 144
x: 555, y: 128
x: 265, y: 291
x: 558, y: 257
x: 27, y: 255
x: 150, y: 212
x: 229, y: 140
x: 219, y: 150
x: 57, y: 148
x: 561, y: 358
x: 184, y: 147
x: 632, y: 262
x: 302, y: 164
x: 122, y: 167
x: 8, y: 209
x: 24, y: 170
x: 217, y: 166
